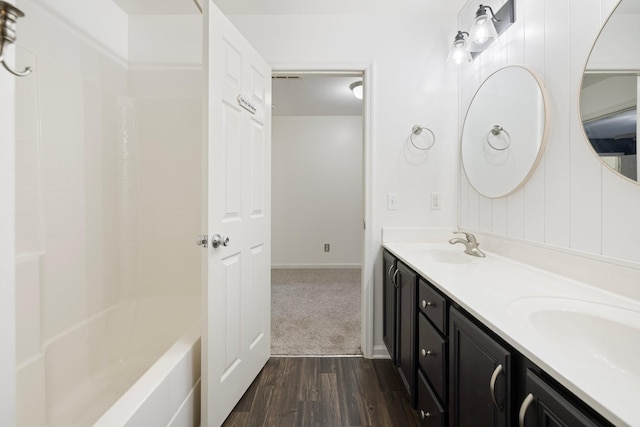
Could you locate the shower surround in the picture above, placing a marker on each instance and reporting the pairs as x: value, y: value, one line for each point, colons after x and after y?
x: 108, y: 190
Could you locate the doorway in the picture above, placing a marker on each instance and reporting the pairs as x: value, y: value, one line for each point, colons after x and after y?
x: 317, y: 213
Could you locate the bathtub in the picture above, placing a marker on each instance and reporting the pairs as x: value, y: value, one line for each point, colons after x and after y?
x: 134, y: 364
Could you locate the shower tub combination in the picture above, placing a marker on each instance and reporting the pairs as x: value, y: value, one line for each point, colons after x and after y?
x: 136, y: 363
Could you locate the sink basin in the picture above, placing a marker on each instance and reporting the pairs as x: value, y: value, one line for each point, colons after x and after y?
x: 606, y: 337
x: 447, y: 257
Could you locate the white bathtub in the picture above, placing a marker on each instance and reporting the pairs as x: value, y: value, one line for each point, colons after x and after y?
x: 134, y: 364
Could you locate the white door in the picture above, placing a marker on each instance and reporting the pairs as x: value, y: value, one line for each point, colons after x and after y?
x: 236, y: 334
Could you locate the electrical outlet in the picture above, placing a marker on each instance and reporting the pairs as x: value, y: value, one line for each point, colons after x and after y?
x: 327, y: 247
x: 436, y: 201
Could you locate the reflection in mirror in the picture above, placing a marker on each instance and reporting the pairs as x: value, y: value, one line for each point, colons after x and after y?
x: 609, y: 93
x: 503, y: 132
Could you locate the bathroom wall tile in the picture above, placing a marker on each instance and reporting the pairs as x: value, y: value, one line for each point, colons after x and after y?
x: 30, y: 394
x: 28, y: 339
x: 27, y: 203
x: 26, y: 104
x: 27, y: 153
x: 27, y: 179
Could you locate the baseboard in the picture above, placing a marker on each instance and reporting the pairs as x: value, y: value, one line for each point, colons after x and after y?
x: 380, y: 352
x: 318, y: 266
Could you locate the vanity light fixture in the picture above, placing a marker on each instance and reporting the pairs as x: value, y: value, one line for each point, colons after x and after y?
x: 357, y: 89
x: 486, y: 28
x: 459, y: 53
x: 483, y: 32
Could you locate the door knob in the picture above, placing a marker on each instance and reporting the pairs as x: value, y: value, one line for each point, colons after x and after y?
x: 217, y: 240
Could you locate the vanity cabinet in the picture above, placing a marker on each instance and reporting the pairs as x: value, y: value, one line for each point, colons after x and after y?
x: 406, y: 326
x: 399, y: 322
x: 457, y: 372
x: 480, y: 376
x: 545, y: 406
x: 389, y: 304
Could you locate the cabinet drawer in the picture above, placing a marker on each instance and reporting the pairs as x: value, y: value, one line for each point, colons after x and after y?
x: 430, y: 412
x: 433, y: 305
x: 432, y: 355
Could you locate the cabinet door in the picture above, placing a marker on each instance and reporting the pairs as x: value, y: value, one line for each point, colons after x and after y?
x: 389, y: 304
x: 406, y: 339
x: 480, y: 376
x: 544, y: 406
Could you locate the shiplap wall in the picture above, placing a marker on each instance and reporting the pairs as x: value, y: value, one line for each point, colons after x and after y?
x: 572, y: 200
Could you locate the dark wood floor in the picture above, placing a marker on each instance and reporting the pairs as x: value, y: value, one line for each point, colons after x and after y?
x: 324, y: 392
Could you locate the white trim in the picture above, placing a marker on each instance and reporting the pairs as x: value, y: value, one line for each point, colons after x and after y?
x: 316, y: 266
x: 368, y: 253
x: 380, y: 352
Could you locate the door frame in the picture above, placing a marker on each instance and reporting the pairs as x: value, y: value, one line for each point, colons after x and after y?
x: 368, y: 253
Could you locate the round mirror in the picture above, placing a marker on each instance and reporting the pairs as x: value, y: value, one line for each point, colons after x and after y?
x: 609, y: 93
x: 503, y: 132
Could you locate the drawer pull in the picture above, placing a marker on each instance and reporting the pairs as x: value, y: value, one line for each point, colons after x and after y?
x: 394, y: 280
x: 424, y: 415
x: 426, y: 353
x: 426, y: 304
x: 492, y: 386
x: 523, y: 409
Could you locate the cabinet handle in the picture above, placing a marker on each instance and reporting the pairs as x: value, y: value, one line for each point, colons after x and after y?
x: 523, y: 408
x: 424, y: 415
x: 426, y: 304
x: 492, y: 386
x: 426, y: 353
x: 389, y: 272
x: 395, y: 282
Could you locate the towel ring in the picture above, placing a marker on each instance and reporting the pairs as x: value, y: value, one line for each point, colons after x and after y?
x: 417, y: 130
x: 493, y: 134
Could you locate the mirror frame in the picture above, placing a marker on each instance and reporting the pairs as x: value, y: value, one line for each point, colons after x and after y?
x: 543, y: 139
x: 612, y: 71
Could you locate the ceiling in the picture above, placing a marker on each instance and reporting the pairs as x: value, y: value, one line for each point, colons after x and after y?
x: 288, y: 7
x: 315, y: 95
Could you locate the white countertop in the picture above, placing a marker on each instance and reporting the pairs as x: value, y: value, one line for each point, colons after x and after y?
x: 505, y: 295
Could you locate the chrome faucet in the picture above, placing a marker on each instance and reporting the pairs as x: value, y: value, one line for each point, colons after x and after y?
x: 470, y: 244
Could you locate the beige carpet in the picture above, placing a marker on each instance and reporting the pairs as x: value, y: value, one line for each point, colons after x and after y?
x: 315, y: 311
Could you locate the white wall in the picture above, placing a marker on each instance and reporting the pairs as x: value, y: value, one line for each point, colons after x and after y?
x: 410, y: 86
x: 317, y: 191
x: 572, y: 201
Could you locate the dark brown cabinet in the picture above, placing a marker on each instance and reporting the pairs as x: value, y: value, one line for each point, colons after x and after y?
x: 544, y: 406
x: 399, y: 320
x: 406, y: 319
x: 389, y: 304
x: 457, y: 372
x: 480, y: 376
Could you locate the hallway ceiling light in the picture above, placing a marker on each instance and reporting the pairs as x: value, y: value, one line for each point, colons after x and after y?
x: 459, y: 53
x: 357, y: 89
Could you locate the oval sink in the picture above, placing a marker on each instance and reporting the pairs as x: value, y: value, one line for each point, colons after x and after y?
x: 447, y: 257
x: 604, y: 336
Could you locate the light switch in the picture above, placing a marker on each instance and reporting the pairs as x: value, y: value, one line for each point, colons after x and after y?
x: 392, y: 201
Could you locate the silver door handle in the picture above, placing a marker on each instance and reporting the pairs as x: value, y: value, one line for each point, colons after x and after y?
x: 217, y: 240
x: 523, y: 408
x: 201, y: 240
x: 492, y: 386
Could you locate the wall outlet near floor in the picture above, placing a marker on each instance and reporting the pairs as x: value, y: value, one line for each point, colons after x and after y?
x: 327, y: 247
x: 436, y: 201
